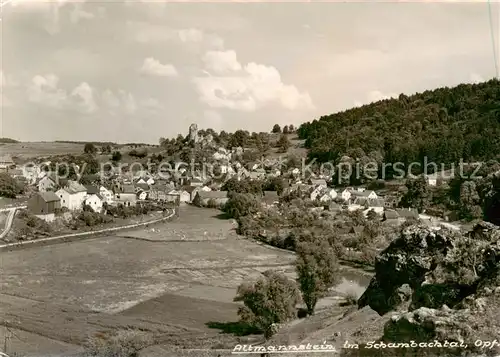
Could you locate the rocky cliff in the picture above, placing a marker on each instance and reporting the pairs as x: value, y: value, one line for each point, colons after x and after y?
x: 442, y: 285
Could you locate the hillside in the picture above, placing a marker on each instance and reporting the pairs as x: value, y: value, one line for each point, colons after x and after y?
x: 445, y: 125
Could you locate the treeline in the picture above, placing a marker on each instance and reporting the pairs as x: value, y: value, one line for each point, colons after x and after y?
x: 8, y: 141
x: 97, y: 143
x: 444, y: 125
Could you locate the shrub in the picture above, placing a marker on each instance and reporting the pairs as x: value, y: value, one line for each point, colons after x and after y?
x: 271, y: 299
x: 125, y: 343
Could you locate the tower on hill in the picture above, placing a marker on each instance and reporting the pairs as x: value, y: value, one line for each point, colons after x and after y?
x: 193, y: 133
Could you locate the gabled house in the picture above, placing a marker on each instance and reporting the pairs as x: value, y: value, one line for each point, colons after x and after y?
x: 106, y: 194
x: 346, y: 194
x: 6, y: 163
x: 72, y: 195
x: 365, y: 193
x: 318, y: 183
x: 44, y: 205
x: 141, y: 181
x: 328, y: 194
x: 391, y: 201
x: 196, y: 181
x: 203, y: 197
x: 46, y: 183
x: 315, y: 193
x: 391, y: 216
x: 141, y: 187
x: 126, y: 195
x: 184, y: 196
x: 407, y: 214
x: 158, y: 193
x: 95, y: 201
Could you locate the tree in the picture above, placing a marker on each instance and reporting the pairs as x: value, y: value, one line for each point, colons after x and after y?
x: 285, y: 129
x: 418, y: 195
x: 116, y: 156
x: 271, y: 299
x: 276, y: 129
x: 241, y: 204
x: 317, y: 269
x: 9, y: 187
x: 90, y: 149
x: 283, y: 144
x: 238, y: 139
x: 291, y: 128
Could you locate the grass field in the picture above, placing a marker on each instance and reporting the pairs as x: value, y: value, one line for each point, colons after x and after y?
x: 66, y: 291
x: 157, y: 281
x: 26, y: 150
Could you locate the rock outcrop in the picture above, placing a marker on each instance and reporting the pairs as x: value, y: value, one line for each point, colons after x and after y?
x: 443, y: 285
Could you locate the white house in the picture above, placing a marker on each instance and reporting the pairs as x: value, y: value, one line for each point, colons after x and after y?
x: 46, y: 183
x: 184, y: 196
x: 95, y: 201
x: 325, y: 197
x: 141, y: 181
x: 142, y: 195
x: 316, y: 193
x: 431, y: 180
x: 150, y: 181
x: 107, y: 195
x: 72, y: 196
x: 346, y: 194
x: 364, y: 194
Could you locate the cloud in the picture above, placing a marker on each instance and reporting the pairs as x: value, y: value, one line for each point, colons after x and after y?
x: 153, y: 67
x: 123, y: 101
x: 84, y: 96
x: 193, y: 35
x: 44, y: 90
x: 221, y: 61
x: 375, y: 96
x: 475, y: 78
x: 249, y: 88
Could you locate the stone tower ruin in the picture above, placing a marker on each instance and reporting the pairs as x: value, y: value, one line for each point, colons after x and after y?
x: 193, y: 133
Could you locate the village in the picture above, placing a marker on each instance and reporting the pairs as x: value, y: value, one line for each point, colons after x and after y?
x: 51, y: 196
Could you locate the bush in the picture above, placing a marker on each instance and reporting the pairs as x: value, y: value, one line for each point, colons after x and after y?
x: 125, y: 343
x: 270, y: 300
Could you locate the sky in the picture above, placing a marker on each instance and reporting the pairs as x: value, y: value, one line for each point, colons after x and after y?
x: 136, y: 71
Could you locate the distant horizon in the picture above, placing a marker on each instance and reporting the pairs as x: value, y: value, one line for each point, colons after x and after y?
x: 79, y: 141
x: 137, y: 71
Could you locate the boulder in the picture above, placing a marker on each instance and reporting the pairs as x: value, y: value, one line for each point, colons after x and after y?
x: 440, y: 267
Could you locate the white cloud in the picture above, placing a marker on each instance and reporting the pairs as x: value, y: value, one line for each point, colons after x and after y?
x: 376, y: 95
x: 84, y: 96
x: 221, y: 61
x: 152, y: 66
x: 130, y: 105
x: 190, y: 35
x: 123, y: 101
x: 475, y: 78
x: 44, y: 90
x: 151, y: 104
x: 250, y: 87
x: 193, y: 35
x: 110, y: 99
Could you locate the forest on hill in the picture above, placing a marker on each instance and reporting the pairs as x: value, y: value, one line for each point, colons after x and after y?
x: 444, y: 125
